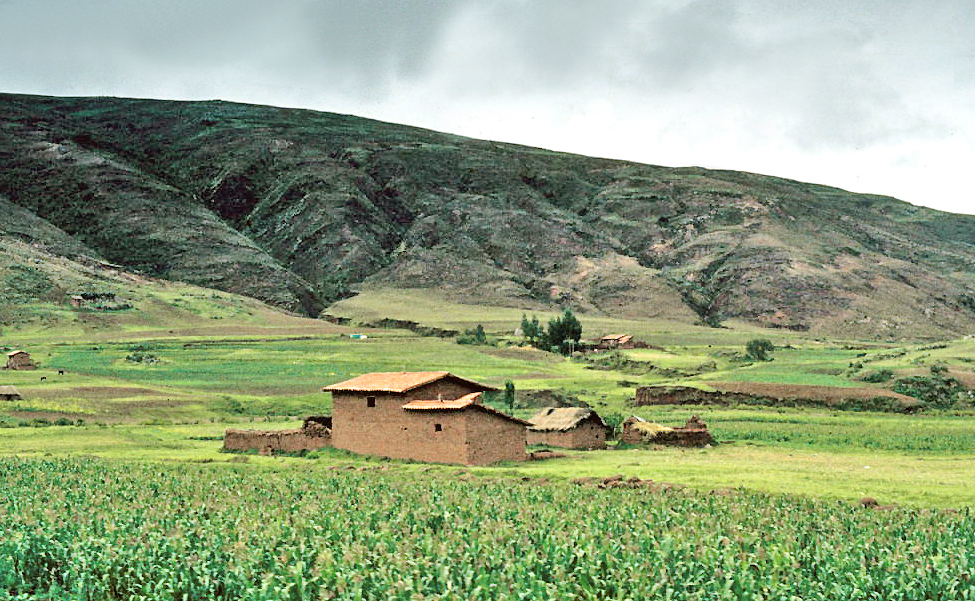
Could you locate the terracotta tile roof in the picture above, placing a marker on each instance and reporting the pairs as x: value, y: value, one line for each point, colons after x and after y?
x: 613, y: 337
x: 560, y: 419
x: 398, y: 381
x: 462, y: 403
x: 469, y: 401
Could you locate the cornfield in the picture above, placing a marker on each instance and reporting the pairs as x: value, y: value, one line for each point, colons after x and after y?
x: 90, y: 529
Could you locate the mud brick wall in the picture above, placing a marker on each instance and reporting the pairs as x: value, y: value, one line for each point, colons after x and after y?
x: 587, y: 435
x: 273, y: 441
x: 492, y: 438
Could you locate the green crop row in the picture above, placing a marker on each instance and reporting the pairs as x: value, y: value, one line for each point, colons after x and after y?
x: 87, y: 529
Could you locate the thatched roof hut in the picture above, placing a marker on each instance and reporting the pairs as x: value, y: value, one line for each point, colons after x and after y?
x: 569, y: 427
x: 9, y: 393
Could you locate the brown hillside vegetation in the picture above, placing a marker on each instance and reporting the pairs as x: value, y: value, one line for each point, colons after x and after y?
x: 299, y: 208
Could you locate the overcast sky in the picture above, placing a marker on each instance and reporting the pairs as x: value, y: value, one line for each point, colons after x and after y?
x: 870, y: 96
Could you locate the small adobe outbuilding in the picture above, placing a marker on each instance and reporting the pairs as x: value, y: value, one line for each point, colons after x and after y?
x: 427, y: 416
x: 619, y: 341
x: 19, y: 360
x: 9, y: 393
x: 568, y: 427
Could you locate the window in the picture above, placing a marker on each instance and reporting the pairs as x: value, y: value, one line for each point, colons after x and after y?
x: 370, y: 401
x: 437, y: 428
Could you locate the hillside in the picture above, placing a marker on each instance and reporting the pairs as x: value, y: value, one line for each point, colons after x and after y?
x: 298, y: 207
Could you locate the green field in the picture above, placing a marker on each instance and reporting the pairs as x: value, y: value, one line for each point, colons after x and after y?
x: 89, y: 529
x: 142, y: 406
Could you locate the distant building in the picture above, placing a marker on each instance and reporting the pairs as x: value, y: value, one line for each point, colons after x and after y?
x: 19, y: 360
x: 568, y: 427
x: 615, y: 341
x: 9, y: 393
x: 427, y: 416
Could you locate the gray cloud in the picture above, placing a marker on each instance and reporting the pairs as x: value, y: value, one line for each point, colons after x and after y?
x: 811, y: 78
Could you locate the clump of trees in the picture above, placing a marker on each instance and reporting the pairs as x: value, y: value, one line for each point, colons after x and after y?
x: 475, y: 336
x: 562, y: 335
x: 759, y: 349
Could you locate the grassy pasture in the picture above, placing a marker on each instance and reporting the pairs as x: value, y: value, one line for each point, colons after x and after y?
x: 827, y: 455
x: 206, y: 374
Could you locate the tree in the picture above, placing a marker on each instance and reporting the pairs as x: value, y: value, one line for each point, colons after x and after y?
x: 563, y: 333
x: 759, y: 349
x: 531, y: 330
x: 509, y: 395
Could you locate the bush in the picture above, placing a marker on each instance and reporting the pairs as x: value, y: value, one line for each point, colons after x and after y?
x: 475, y: 336
x: 759, y: 349
x: 938, y: 390
x: 878, y: 377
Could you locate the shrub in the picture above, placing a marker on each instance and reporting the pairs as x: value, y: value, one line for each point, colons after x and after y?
x: 938, y: 389
x: 475, y: 336
x: 759, y: 349
x: 878, y: 377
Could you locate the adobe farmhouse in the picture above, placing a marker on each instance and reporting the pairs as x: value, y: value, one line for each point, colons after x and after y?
x: 567, y: 427
x: 426, y: 416
x: 19, y: 360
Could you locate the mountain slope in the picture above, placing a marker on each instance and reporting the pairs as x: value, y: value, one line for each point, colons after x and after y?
x: 293, y: 206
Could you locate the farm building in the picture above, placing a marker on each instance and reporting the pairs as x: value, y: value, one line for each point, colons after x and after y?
x: 315, y: 433
x: 615, y: 341
x: 427, y: 416
x: 19, y: 360
x: 9, y: 393
x: 568, y: 427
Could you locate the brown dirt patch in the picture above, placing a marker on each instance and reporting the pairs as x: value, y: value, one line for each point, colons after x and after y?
x: 94, y: 392
x: 806, y: 391
x: 49, y: 415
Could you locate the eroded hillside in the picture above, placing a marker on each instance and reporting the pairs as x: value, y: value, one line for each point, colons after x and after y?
x: 295, y: 207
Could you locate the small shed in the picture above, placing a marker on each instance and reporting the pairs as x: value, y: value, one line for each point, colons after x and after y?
x: 19, y: 360
x: 9, y: 393
x: 614, y: 341
x: 568, y: 427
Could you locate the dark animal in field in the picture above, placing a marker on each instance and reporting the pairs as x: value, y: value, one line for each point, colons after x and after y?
x: 43, y: 378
